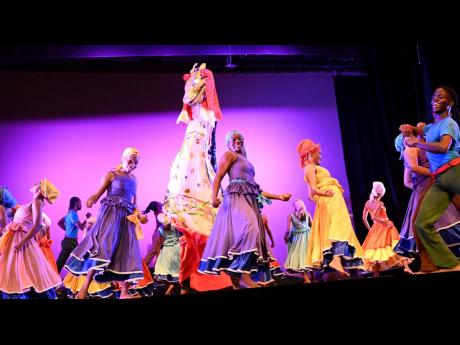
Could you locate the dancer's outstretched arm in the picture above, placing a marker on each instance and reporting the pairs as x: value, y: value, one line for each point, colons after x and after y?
x: 225, y: 163
x: 105, y: 182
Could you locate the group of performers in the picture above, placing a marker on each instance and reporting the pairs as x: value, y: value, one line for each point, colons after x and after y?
x: 204, y: 231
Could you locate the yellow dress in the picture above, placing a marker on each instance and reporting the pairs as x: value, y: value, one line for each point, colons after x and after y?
x: 74, y: 284
x: 331, y: 231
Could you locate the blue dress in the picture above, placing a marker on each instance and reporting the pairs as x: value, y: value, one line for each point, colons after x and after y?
x: 110, y: 246
x: 297, y: 244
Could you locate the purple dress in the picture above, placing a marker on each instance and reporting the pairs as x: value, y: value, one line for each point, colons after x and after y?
x: 448, y: 225
x: 111, y: 247
x: 237, y: 242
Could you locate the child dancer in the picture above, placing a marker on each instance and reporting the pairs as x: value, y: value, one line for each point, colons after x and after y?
x: 382, y: 237
x: 296, y: 237
x: 167, y: 264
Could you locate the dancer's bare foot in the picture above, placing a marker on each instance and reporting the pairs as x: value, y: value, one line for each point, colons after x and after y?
x: 337, y: 265
x: 80, y: 295
x: 235, y: 282
x: 129, y: 296
x: 170, y: 290
x: 453, y: 269
x: 248, y: 281
x: 408, y: 270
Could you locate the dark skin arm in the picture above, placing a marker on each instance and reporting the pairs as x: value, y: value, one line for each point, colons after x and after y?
x: 267, y: 229
x: 310, y: 173
x: 408, y: 178
x: 408, y: 130
x: 411, y: 158
x: 365, y: 215
x: 289, y: 224
x: 105, y: 182
x: 282, y: 197
x: 435, y: 147
x: 61, y: 223
x: 225, y: 163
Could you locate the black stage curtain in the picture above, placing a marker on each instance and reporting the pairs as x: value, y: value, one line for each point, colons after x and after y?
x: 370, y: 110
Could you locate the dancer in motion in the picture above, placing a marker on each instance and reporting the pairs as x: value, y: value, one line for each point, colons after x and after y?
x: 110, y: 251
x: 332, y: 242
x: 25, y: 273
x: 441, y: 146
x: 237, y: 244
x: 382, y: 236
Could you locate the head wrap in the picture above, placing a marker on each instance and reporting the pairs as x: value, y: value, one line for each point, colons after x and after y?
x: 306, y: 147
x: 377, y: 189
x: 229, y: 135
x: 49, y: 191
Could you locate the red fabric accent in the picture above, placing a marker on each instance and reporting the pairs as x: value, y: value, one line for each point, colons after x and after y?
x: 192, y: 245
x: 211, y: 94
x: 188, y: 109
x: 45, y: 246
x: 211, y: 102
x: 448, y: 165
x: 147, y: 280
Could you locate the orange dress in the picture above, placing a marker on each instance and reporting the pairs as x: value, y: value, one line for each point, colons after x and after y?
x: 381, y: 240
x: 45, y: 246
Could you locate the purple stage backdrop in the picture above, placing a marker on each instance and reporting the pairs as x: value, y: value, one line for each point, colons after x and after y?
x: 72, y: 128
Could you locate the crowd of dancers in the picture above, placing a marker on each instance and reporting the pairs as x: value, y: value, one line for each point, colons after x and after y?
x: 207, y: 238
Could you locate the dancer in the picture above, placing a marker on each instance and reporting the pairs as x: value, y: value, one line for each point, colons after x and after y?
x: 154, y: 250
x: 167, y: 264
x: 25, y: 272
x: 110, y: 251
x: 332, y: 242
x: 296, y: 237
x: 382, y: 237
x: 417, y: 177
x: 442, y: 139
x: 188, y: 198
x: 237, y: 242
x: 71, y: 224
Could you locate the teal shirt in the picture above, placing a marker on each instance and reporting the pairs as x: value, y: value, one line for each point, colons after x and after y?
x: 6, y: 198
x: 434, y: 133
